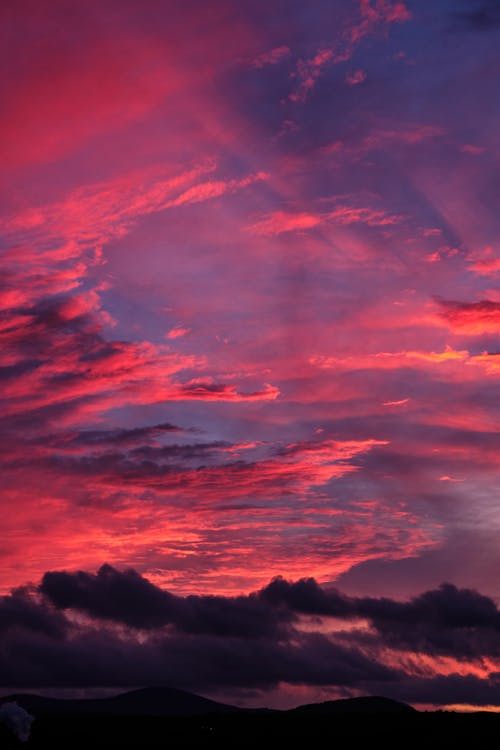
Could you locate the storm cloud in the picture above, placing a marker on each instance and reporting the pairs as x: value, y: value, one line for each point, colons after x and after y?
x: 297, y: 633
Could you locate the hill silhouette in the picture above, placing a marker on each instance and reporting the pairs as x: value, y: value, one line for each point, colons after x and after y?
x: 153, y: 718
x: 164, y: 701
x: 157, y: 701
x: 365, y: 704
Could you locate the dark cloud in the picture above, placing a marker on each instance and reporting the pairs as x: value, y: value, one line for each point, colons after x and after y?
x: 279, y: 634
x: 144, y: 462
x: 89, y: 438
x: 451, y: 689
x: 196, y: 662
x: 128, y: 598
x: 481, y: 15
x: 123, y: 597
x: 443, y: 621
x: 445, y: 607
x: 19, y: 610
x: 307, y: 597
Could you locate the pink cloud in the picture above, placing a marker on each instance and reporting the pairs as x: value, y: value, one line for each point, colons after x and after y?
x: 279, y: 222
x: 473, y: 150
x: 355, y: 77
x: 208, y: 190
x: 407, y: 135
x: 471, y: 318
x: 486, y: 267
x: 354, y: 215
x: 308, y: 71
x: 272, y: 57
x: 390, y: 360
x: 404, y: 135
x: 401, y: 402
x: 178, y: 332
x: 484, y: 263
x: 374, y: 12
x: 142, y: 502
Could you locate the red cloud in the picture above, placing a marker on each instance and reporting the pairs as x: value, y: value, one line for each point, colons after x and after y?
x: 384, y: 11
x: 177, y: 332
x: 272, y: 57
x: 356, y: 77
x: 308, y: 71
x: 374, y: 12
x: 279, y: 222
x: 471, y: 318
x: 485, y: 263
x: 76, y: 365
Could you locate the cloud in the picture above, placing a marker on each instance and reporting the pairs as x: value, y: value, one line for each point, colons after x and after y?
x: 471, y: 318
x: 208, y: 190
x: 272, y: 57
x: 484, y: 17
x: 55, y: 330
x: 485, y: 263
x: 372, y: 15
x: 279, y: 222
x: 221, y: 392
x: 169, y: 469
x: 444, y: 621
x: 392, y: 360
x: 388, y: 11
x: 129, y: 598
x: 308, y: 71
x: 439, y: 647
x: 355, y: 77
x: 307, y: 597
x: 193, y: 663
x: 469, y: 148
x: 79, y: 441
x: 163, y: 200
x: 21, y: 611
x: 177, y: 332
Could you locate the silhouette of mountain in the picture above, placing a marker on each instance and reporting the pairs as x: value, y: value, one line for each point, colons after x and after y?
x: 367, y: 705
x: 161, y: 701
x: 152, y: 718
x: 164, y: 701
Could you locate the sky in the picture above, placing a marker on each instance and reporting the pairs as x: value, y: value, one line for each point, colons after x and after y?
x: 249, y: 362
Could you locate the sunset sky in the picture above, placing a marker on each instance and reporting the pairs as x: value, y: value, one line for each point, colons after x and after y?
x: 249, y: 325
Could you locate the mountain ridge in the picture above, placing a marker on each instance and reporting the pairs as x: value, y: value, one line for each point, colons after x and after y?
x: 165, y: 701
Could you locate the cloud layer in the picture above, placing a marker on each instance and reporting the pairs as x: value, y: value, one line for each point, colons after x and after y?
x: 116, y: 628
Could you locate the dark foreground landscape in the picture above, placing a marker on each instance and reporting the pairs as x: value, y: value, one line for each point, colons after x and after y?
x: 164, y: 718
